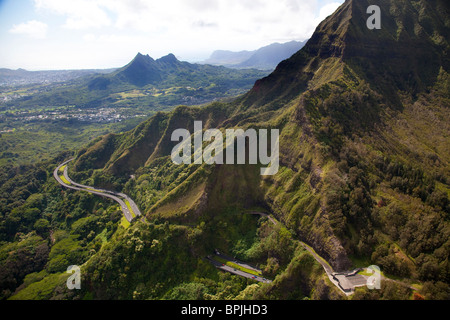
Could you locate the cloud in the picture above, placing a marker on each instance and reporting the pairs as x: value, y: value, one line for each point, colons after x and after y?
x: 81, y: 14
x: 328, y: 10
x: 89, y: 37
x: 232, y: 19
x: 249, y: 22
x: 191, y: 29
x: 34, y: 29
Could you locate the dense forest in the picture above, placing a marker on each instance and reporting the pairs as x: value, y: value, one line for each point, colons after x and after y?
x: 363, y: 180
x: 46, y: 228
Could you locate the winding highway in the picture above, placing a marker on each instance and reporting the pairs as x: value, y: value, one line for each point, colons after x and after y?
x: 344, y: 281
x: 128, y: 206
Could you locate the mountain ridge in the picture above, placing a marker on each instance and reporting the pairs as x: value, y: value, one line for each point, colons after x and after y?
x: 319, y: 97
x: 363, y: 177
x: 362, y: 56
x: 264, y: 58
x: 159, y: 84
x: 143, y: 70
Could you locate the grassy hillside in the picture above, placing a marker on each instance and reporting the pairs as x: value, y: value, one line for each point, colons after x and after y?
x: 363, y: 179
x: 358, y: 146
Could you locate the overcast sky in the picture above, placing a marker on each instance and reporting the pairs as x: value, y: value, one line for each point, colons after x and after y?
x: 83, y: 34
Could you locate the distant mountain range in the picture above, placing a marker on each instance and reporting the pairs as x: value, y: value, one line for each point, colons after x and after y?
x: 364, y: 158
x: 145, y: 70
x: 160, y: 83
x: 363, y: 179
x: 265, y: 58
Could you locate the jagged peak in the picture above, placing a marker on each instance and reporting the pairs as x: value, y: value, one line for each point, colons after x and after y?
x: 170, y: 58
x: 142, y: 58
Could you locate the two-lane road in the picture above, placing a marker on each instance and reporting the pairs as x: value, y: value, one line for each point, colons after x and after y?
x: 120, y: 198
x: 236, y: 271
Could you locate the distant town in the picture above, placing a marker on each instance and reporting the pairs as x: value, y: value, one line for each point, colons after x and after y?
x: 102, y: 115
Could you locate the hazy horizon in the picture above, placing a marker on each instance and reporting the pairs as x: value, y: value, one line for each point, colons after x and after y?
x: 39, y: 35
x: 131, y: 58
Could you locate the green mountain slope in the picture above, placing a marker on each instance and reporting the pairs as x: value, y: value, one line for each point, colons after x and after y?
x: 149, y: 84
x: 364, y: 176
x: 350, y: 106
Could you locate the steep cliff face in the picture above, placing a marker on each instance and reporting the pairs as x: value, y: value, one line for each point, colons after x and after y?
x: 408, y: 51
x: 343, y: 104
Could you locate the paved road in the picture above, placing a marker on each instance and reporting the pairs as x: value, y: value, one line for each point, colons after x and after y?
x: 345, y: 281
x: 234, y: 260
x: 238, y: 272
x: 262, y: 214
x: 120, y: 198
x: 342, y: 281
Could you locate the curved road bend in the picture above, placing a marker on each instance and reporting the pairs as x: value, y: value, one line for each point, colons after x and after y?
x: 100, y: 192
x: 133, y: 205
x: 339, y: 281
